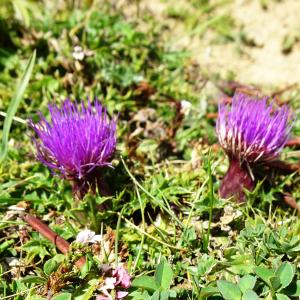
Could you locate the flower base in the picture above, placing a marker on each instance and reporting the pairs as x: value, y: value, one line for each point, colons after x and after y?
x: 235, y: 181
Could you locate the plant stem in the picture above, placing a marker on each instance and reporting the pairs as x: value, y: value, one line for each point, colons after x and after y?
x: 211, y: 203
x: 93, y: 213
x: 144, y: 227
x: 117, y: 236
x: 58, y: 241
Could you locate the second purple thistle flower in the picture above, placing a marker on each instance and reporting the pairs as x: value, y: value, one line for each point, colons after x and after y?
x: 250, y: 131
x: 76, y: 143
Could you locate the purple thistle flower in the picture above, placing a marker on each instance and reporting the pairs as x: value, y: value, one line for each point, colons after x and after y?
x: 251, y: 131
x: 76, y: 143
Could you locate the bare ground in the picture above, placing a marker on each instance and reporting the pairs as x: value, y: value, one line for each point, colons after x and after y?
x: 264, y: 64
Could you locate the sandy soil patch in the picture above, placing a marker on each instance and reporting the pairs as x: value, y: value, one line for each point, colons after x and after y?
x: 264, y: 65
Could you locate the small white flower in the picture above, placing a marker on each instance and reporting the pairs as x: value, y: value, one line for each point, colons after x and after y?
x: 138, y: 78
x: 185, y: 106
x: 78, y: 53
x: 87, y: 236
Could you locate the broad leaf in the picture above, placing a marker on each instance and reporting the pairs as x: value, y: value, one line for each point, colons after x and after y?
x: 249, y: 295
x: 33, y: 279
x: 163, y: 275
x: 229, y: 291
x: 62, y: 296
x: 265, y: 274
x: 285, y: 273
x: 247, y: 283
x: 282, y: 297
x: 145, y: 282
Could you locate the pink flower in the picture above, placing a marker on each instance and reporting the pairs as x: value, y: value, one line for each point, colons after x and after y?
x: 99, y: 297
x: 109, y: 283
x: 121, y: 294
x: 122, y: 276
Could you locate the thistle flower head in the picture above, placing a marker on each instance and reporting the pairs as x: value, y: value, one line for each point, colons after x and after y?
x: 77, y: 141
x: 252, y: 130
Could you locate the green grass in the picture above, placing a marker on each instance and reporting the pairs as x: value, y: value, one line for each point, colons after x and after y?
x: 165, y: 220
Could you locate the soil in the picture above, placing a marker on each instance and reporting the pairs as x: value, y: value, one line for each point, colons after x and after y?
x: 263, y: 63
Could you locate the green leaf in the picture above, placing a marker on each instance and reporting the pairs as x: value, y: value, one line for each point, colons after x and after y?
x: 86, y: 292
x: 282, y: 297
x: 12, y: 108
x: 155, y: 296
x: 247, y: 282
x: 59, y: 258
x: 249, y: 295
x: 163, y: 275
x: 229, y: 291
x: 6, y: 245
x: 164, y: 295
x: 286, y: 274
x: 173, y: 294
x: 35, y: 248
x: 50, y: 266
x: 145, y: 282
x: 33, y: 279
x: 265, y: 274
x: 275, y: 283
x: 86, y: 268
x: 242, y: 264
x: 208, y: 291
x: 136, y: 295
x: 21, y: 9
x: 62, y: 296
x: 205, y: 265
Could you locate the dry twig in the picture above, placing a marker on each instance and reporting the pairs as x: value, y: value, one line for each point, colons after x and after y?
x: 49, y: 234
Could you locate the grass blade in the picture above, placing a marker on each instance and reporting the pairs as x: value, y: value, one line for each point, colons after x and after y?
x: 12, y: 108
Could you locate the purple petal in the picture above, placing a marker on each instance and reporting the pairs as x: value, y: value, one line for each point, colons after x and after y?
x: 251, y: 129
x: 76, y: 140
x: 122, y: 276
